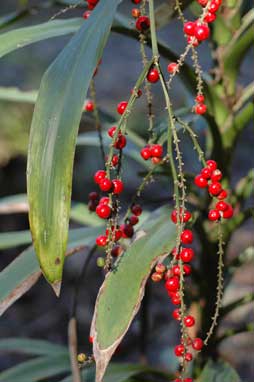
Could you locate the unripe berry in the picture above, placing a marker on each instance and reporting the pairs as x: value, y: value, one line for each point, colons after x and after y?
x: 156, y: 277
x: 135, y: 13
x: 121, y: 107
x: 153, y: 75
x: 189, y: 321
x: 187, y: 236
x: 213, y: 215
x: 160, y: 268
x: 81, y: 357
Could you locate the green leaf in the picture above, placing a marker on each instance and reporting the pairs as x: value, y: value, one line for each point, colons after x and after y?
x: 53, y: 135
x: 13, y: 239
x: 17, y: 95
x: 22, y: 273
x: 30, y: 346
x: 126, y: 283
x: 120, y: 372
x: 18, y: 38
x: 37, y: 369
x: 218, y: 371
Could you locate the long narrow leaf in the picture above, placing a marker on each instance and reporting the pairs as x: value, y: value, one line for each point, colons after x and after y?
x: 53, y: 135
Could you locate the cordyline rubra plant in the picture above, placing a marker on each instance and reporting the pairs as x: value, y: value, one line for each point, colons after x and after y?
x: 202, y: 207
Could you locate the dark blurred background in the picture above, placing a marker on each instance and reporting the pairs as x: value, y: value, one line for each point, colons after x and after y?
x: 38, y: 314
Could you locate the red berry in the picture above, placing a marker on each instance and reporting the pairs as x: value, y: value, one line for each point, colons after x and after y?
x: 222, y: 195
x: 221, y: 206
x: 189, y: 321
x: 156, y: 151
x: 203, y: 2
x: 89, y: 106
x: 175, y: 254
x: 210, y: 17
x: 213, y: 7
x: 200, y: 181
x: 188, y: 380
x: 145, y: 153
x: 104, y: 200
x: 86, y: 15
x: 187, y: 236
x: 176, y: 270
x: 92, y: 204
x: 187, y: 269
x: 188, y: 357
x: 172, y: 67
x: 135, y: 12
x: 172, y: 284
x: 200, y: 98
x: 175, y: 299
x: 117, y: 251
x: 115, y: 160
x: 201, y: 32
x: 211, y: 164
x: 228, y: 213
x: 206, y: 172
x: 214, y: 188
x: 136, y: 1
x: 103, y: 211
x: 179, y: 350
x: 176, y: 314
x: 184, y: 217
x: 216, y: 175
x: 127, y: 230
x: 143, y: 23
x: 133, y: 220
x: 120, y: 142
x: 189, y: 28
x: 153, y: 75
x: 111, y: 131
x: 197, y: 344
x: 186, y: 255
x: 200, y: 108
x: 136, y: 209
x: 93, y: 195
x: 137, y: 93
x: 105, y: 184
x: 99, y: 175
x: 118, y: 186
x: 90, y: 339
x: 213, y: 215
x: 101, y: 240
x: 121, y: 107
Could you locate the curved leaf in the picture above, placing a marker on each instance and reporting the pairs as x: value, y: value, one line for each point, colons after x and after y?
x: 123, y: 289
x: 18, y: 38
x: 23, y: 272
x: 53, y: 135
x: 17, y: 95
x: 218, y: 371
x: 30, y: 346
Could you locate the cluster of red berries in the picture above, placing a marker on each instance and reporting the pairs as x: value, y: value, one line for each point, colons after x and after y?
x: 210, y: 177
x: 153, y: 152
